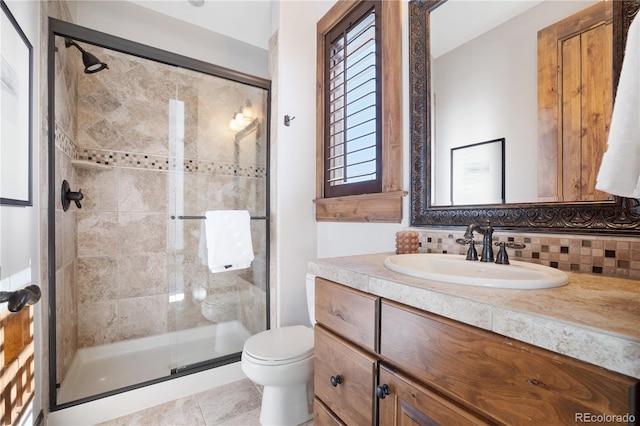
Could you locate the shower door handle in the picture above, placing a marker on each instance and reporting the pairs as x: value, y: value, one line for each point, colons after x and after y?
x: 19, y: 298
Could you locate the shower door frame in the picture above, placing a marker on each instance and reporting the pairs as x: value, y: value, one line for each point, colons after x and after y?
x: 58, y: 28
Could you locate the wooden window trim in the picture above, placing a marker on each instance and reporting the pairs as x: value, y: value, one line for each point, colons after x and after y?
x: 385, y: 206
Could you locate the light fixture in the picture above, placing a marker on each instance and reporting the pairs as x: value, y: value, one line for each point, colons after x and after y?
x: 91, y: 63
x: 247, y: 110
x: 243, y: 118
x: 237, y: 122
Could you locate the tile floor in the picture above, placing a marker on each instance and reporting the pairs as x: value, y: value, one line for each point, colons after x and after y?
x: 237, y: 404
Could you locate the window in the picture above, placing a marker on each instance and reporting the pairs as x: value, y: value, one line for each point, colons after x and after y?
x: 352, y: 106
x: 359, y: 165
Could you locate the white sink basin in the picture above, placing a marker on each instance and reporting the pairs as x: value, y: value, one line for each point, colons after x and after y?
x: 457, y: 270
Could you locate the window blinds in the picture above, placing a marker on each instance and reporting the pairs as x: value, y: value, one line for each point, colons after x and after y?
x: 352, y: 148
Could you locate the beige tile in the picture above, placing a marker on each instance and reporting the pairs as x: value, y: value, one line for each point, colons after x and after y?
x: 183, y: 411
x: 141, y: 275
x: 97, y: 234
x: 250, y: 418
x: 97, y: 323
x: 99, y: 189
x: 96, y: 279
x: 228, y: 402
x: 142, y: 191
x: 142, y: 316
x: 141, y: 232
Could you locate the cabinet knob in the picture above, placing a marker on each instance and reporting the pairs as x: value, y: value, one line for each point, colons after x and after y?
x: 336, y: 380
x: 382, y: 391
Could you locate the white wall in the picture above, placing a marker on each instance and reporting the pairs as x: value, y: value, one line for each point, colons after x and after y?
x: 133, y: 22
x: 241, y: 20
x: 490, y: 83
x: 295, y: 170
x: 300, y: 237
x: 19, y: 226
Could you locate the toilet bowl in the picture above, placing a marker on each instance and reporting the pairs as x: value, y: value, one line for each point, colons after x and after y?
x: 281, y: 360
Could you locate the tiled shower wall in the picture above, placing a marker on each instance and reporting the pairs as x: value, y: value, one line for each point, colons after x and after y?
x: 607, y: 256
x: 129, y: 258
x: 66, y: 95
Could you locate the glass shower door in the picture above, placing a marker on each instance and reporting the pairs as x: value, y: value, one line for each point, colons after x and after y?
x: 218, y: 137
x: 153, y: 148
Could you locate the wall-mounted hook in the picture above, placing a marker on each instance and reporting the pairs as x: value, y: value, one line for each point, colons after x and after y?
x: 288, y: 120
x: 66, y: 196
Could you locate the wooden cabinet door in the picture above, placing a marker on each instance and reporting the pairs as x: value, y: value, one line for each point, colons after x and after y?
x: 499, y: 378
x: 322, y: 416
x: 410, y: 403
x: 350, y: 313
x: 351, y: 396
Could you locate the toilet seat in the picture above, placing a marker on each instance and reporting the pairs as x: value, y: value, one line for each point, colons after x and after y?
x: 284, y: 345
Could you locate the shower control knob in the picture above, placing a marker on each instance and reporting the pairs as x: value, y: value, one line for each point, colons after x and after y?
x: 77, y: 198
x: 382, y: 391
x: 67, y: 196
x: 336, y: 380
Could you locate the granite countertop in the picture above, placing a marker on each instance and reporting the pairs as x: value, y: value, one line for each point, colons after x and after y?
x: 593, y: 318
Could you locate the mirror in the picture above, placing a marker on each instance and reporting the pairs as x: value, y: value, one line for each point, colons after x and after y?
x: 431, y: 166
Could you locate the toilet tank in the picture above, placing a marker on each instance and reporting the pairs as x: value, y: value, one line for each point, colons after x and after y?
x: 311, y: 297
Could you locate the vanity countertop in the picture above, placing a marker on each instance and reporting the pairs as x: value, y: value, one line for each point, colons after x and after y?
x: 593, y: 318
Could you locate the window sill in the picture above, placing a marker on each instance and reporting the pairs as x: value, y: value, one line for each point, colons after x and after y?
x: 379, y: 207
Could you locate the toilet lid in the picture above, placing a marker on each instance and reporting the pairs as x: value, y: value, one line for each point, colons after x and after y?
x: 281, y: 344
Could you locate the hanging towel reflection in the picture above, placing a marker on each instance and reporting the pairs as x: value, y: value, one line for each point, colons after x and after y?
x: 620, y: 169
x: 225, y: 240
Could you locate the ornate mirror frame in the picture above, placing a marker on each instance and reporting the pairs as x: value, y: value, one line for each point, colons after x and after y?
x: 619, y: 216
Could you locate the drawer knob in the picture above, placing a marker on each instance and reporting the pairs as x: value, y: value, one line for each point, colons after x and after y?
x: 336, y: 380
x: 382, y: 391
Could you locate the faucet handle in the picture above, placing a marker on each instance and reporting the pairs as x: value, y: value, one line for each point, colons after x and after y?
x: 472, y: 253
x: 516, y: 245
x: 502, y: 258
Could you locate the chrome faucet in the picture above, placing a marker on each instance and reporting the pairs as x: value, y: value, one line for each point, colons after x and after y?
x: 487, y: 239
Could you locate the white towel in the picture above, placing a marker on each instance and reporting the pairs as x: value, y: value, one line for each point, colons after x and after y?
x: 225, y: 240
x: 620, y: 170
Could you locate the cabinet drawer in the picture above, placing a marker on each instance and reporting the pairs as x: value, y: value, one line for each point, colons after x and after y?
x: 409, y: 402
x: 348, y: 312
x: 351, y: 400
x: 500, y: 378
x: 322, y: 416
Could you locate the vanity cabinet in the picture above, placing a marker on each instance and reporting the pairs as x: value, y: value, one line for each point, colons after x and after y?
x: 411, y: 403
x: 344, y: 378
x: 408, y: 366
x: 501, y: 379
x: 345, y: 367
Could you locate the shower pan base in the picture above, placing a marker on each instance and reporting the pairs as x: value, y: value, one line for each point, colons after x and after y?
x: 114, y: 366
x: 122, y: 404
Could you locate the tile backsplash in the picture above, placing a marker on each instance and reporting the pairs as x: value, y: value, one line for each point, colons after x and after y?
x: 607, y: 256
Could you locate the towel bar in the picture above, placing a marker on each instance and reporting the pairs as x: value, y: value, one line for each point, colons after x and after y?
x: 204, y: 217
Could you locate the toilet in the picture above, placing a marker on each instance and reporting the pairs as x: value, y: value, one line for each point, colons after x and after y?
x: 281, y: 360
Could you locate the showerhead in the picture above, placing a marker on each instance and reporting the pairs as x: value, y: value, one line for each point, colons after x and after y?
x: 91, y: 63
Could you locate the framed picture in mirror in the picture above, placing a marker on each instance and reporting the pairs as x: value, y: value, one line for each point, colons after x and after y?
x: 477, y: 173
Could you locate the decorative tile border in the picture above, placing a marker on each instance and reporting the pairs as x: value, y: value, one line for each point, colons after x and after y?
x: 65, y: 142
x: 615, y: 257
x: 153, y: 162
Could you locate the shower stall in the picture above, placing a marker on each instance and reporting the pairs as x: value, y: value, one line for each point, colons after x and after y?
x: 142, y: 146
